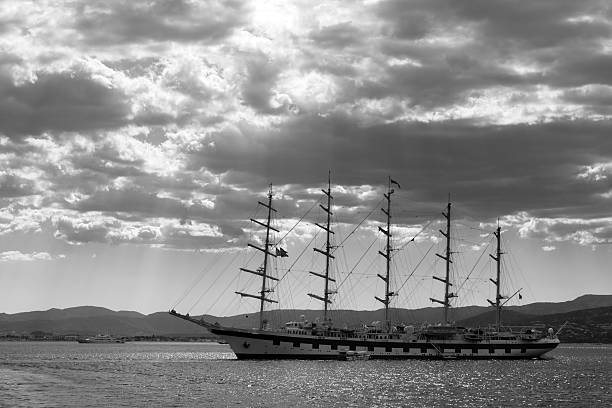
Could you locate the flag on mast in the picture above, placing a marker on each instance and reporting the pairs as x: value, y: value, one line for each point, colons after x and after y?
x: 395, y: 182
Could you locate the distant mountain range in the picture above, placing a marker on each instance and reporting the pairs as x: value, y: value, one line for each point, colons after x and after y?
x: 589, y: 317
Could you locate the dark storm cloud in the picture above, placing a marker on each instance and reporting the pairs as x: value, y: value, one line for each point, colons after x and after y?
x: 597, y: 97
x: 180, y: 238
x: 7, y: 59
x: 441, y: 83
x: 491, y: 170
x: 140, y: 217
x: 131, y: 201
x: 534, y: 24
x: 144, y: 201
x: 413, y: 20
x: 261, y: 77
x: 337, y: 36
x: 231, y: 231
x: 106, y: 164
x: 562, y: 39
x: 12, y: 185
x: 78, y: 233
x: 112, y: 22
x: 428, y: 55
x: 238, y: 205
x: 581, y: 68
x: 59, y: 102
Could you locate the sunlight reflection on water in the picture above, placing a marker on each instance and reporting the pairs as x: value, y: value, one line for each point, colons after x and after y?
x: 200, y: 374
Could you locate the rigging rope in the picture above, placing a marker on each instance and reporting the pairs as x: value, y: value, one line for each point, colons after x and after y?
x: 358, y: 262
x: 474, y: 267
x: 297, y: 259
x: 317, y: 233
x: 299, y: 221
x: 232, y: 260
x: 413, y: 238
x: 416, y: 267
x: 358, y: 225
x: 197, y: 281
x: 218, y: 297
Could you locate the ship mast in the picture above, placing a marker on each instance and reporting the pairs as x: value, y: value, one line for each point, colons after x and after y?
x: 327, y: 253
x: 387, y: 254
x: 447, y: 258
x: 497, y: 282
x: 263, y: 270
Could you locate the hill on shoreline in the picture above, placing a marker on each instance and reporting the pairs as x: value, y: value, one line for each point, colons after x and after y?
x: 589, y: 317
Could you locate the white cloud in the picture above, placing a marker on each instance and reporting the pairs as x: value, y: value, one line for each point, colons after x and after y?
x: 581, y: 231
x: 18, y: 256
x: 122, y: 116
x: 595, y: 172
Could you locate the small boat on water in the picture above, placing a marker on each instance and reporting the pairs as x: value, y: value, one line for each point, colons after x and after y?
x: 389, y: 340
x: 353, y: 355
x: 101, y: 338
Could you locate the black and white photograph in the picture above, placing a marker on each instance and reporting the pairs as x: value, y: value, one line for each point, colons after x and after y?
x: 291, y: 203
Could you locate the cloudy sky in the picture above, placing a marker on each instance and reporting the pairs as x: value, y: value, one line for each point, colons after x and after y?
x: 136, y: 138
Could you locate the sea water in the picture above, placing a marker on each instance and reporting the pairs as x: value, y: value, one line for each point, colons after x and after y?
x: 66, y: 374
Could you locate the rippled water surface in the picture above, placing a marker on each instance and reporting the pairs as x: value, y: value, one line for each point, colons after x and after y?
x: 48, y: 374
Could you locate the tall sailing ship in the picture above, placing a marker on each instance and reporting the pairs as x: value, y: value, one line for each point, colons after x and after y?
x: 302, y: 339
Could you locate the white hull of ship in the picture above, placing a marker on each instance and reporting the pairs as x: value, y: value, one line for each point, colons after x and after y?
x: 266, y: 345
